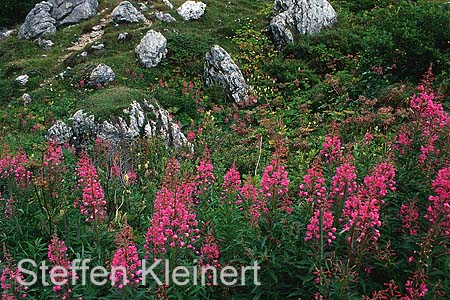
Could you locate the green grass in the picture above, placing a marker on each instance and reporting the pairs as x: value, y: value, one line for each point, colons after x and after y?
x: 187, y: 45
x: 110, y: 101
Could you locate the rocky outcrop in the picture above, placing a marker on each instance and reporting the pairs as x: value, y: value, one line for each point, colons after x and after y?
x: 101, y: 75
x: 221, y: 69
x: 60, y: 133
x: 38, y: 22
x: 73, y: 11
x: 142, y: 119
x: 125, y: 12
x: 191, y: 10
x: 46, y: 16
x: 293, y: 17
x: 151, y: 49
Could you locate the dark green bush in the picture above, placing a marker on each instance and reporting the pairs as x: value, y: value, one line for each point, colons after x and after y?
x: 14, y: 12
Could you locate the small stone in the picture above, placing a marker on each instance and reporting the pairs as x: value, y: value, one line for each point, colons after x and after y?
x: 22, y: 79
x: 168, y: 4
x: 95, y: 34
x: 4, y: 33
x: 97, y: 28
x: 43, y: 43
x: 102, y: 74
x: 26, y: 99
x: 122, y: 36
x: 98, y: 47
x: 165, y: 17
x: 142, y: 7
x: 84, y: 54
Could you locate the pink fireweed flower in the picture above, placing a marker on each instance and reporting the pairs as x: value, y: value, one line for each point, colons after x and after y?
x: 391, y: 291
x: 126, y: 260
x: 257, y: 205
x: 362, y: 210
x: 416, y: 287
x: 403, y: 140
x: 205, y: 173
x: 15, y: 167
x: 231, y: 184
x: 332, y: 149
x: 53, y: 156
x: 209, y: 252
x: 172, y: 173
x: 114, y: 171
x: 10, y: 281
x: 10, y: 207
x: 313, y: 186
x: 368, y: 137
x: 430, y: 118
x: 343, y: 184
x: 174, y: 221
x: 57, y: 255
x: 92, y: 204
x: 409, y: 214
x: 190, y: 136
x: 438, y: 212
x: 130, y: 177
x: 275, y: 186
x: 313, y: 228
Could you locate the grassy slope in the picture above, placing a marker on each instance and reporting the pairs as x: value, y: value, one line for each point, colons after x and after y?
x: 55, y: 98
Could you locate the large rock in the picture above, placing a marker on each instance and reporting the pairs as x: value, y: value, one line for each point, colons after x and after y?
x: 191, y: 10
x: 73, y: 11
x: 101, y: 74
x: 144, y: 119
x: 293, y: 17
x: 38, y: 22
x: 221, y: 69
x: 125, y: 12
x: 46, y: 16
x: 151, y: 49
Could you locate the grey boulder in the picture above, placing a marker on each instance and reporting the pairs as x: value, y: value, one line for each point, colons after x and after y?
x: 139, y: 119
x: 38, y: 22
x: 221, y: 69
x: 101, y: 74
x: 304, y: 17
x: 73, y: 11
x: 125, y: 12
x: 151, y: 49
x: 191, y: 10
x: 46, y: 16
